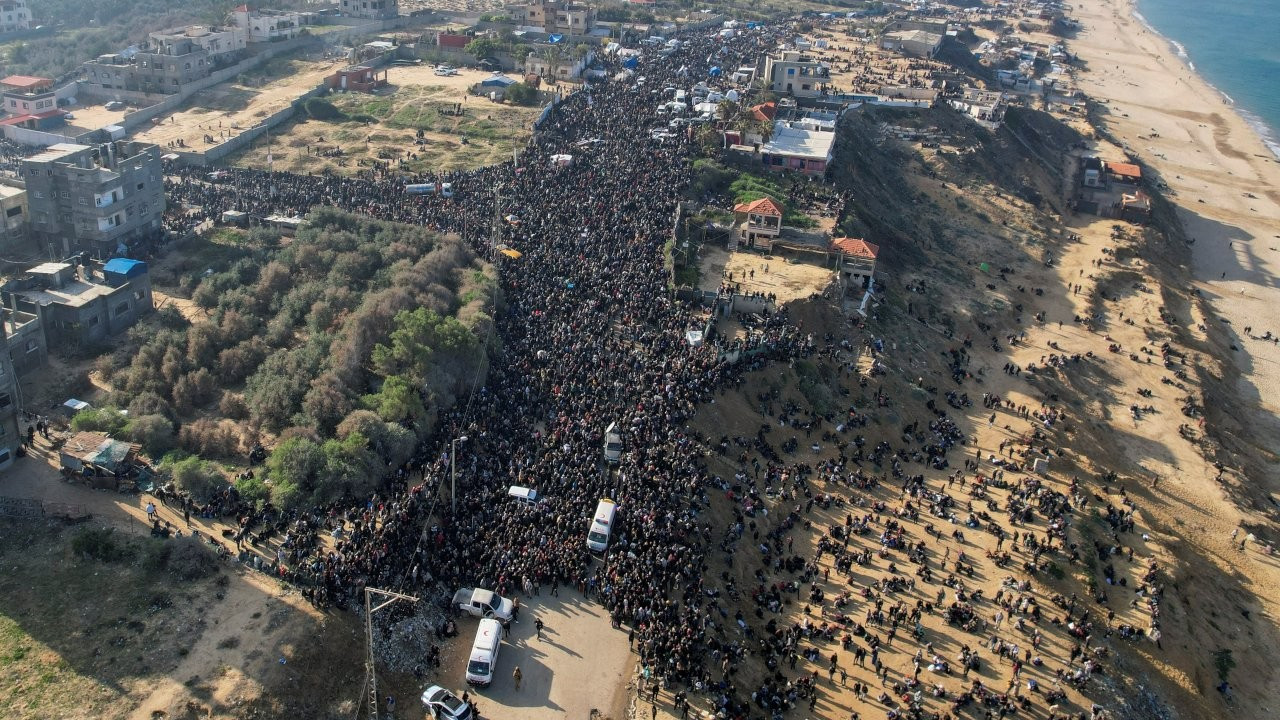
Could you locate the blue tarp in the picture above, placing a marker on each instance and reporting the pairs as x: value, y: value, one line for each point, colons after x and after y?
x: 714, y: 71
x: 631, y: 63
x: 555, y: 38
x: 125, y: 266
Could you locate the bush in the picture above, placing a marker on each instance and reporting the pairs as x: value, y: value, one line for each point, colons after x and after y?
x: 522, y: 94
x: 154, y: 432
x: 321, y: 109
x: 106, y: 419
x: 98, y: 544
x: 232, y: 406
x: 189, y: 560
x: 150, y: 403
x: 199, y: 479
x: 253, y: 490
x: 209, y: 438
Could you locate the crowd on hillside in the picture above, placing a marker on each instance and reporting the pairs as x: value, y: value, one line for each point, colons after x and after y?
x: 591, y: 336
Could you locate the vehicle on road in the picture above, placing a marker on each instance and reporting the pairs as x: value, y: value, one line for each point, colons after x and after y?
x: 612, y: 444
x: 484, y: 652
x: 444, y: 705
x: 483, y: 603
x: 601, y: 525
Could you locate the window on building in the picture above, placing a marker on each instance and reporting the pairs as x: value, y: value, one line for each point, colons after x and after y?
x: 32, y: 345
x: 5, y: 400
x: 84, y: 201
x: 140, y: 184
x: 93, y: 321
x: 139, y: 295
x: 39, y: 194
x: 65, y: 194
x: 122, y: 308
x: 13, y: 212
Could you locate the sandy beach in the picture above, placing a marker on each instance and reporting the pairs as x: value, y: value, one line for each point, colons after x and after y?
x: 1225, y: 185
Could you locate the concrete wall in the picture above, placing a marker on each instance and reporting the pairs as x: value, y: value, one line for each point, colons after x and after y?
x: 36, y: 137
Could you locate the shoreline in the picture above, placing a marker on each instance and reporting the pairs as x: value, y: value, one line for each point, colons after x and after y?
x: 1269, y: 135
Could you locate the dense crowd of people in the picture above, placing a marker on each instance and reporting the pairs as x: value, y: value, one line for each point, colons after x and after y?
x: 590, y: 336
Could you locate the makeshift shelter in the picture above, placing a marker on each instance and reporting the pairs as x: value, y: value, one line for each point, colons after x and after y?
x: 96, y: 456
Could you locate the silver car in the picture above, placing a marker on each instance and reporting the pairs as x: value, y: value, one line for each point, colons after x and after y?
x: 444, y: 705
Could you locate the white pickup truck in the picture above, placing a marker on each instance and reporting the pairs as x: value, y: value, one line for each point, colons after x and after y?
x: 483, y: 603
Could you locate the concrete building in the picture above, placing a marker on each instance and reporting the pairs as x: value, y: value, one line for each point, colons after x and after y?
x: 261, y: 25
x: 223, y: 46
x: 370, y: 9
x: 99, y: 199
x: 803, y: 146
x: 15, y: 16
x: 856, y: 259
x: 80, y: 306
x: 27, y: 347
x: 559, y: 16
x: 358, y: 78
x: 917, y: 43
x: 983, y: 106
x: 797, y: 74
x: 10, y: 407
x: 758, y: 223
x: 13, y: 216
x: 565, y: 67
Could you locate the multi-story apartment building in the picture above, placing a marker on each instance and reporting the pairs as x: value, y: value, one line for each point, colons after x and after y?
x: 14, y: 16
x: 94, y: 198
x: 797, y: 74
x: 270, y: 25
x: 170, y: 60
x: 13, y: 217
x: 78, y: 304
x: 559, y: 16
x: 370, y: 9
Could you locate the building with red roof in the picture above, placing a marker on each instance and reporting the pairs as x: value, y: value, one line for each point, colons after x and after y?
x: 765, y: 111
x: 758, y: 223
x: 856, y: 259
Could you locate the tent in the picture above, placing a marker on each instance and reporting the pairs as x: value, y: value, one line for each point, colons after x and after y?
x: 631, y: 63
x: 561, y: 160
x: 715, y: 71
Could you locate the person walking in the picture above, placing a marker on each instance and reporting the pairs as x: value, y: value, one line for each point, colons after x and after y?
x: 151, y: 512
x: 537, y: 624
x: 517, y: 675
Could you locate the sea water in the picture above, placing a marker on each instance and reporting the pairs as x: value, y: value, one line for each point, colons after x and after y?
x: 1232, y: 44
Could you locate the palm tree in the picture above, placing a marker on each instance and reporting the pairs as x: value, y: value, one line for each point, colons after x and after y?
x: 553, y: 55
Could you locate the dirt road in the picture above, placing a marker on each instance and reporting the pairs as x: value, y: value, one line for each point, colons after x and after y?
x: 580, y: 664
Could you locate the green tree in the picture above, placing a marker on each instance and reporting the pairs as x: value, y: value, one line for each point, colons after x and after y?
x: 199, y: 479
x: 397, y: 401
x: 483, y: 47
x: 522, y: 94
x: 153, y: 432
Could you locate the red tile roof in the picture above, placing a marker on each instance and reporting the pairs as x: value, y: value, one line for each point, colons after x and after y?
x: 451, y: 40
x: 857, y: 247
x: 764, y: 111
x: 1124, y: 169
x: 763, y: 206
x: 241, y: 8
x: 25, y: 82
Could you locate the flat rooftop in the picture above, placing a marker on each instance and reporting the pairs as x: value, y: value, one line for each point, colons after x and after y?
x: 8, y: 191
x: 57, y: 152
x: 75, y: 293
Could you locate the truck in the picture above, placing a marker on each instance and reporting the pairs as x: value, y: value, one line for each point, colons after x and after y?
x: 612, y: 444
x: 441, y: 189
x: 483, y: 604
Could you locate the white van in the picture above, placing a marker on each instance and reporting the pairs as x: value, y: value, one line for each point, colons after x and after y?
x: 528, y: 496
x: 601, y: 525
x: 484, y: 652
x: 612, y: 444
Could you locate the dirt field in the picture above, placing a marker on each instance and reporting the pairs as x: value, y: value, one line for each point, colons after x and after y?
x: 580, y: 665
x: 416, y: 99
x: 784, y: 278
x: 227, y: 108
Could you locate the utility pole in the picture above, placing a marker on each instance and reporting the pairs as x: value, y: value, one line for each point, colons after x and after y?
x: 371, y: 674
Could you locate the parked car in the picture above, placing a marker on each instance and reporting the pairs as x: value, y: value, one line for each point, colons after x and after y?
x: 444, y: 705
x: 483, y: 603
x: 114, y: 105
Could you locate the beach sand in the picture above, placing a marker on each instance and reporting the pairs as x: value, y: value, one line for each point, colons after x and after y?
x: 1225, y: 184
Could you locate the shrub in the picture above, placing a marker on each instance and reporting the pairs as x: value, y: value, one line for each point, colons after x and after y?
x: 154, y: 432
x: 199, y: 479
x: 321, y: 109
x: 189, y: 560
x: 253, y: 490
x: 522, y: 94
x: 106, y: 419
x: 232, y: 406
x: 149, y: 403
x: 208, y: 438
x: 98, y: 544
